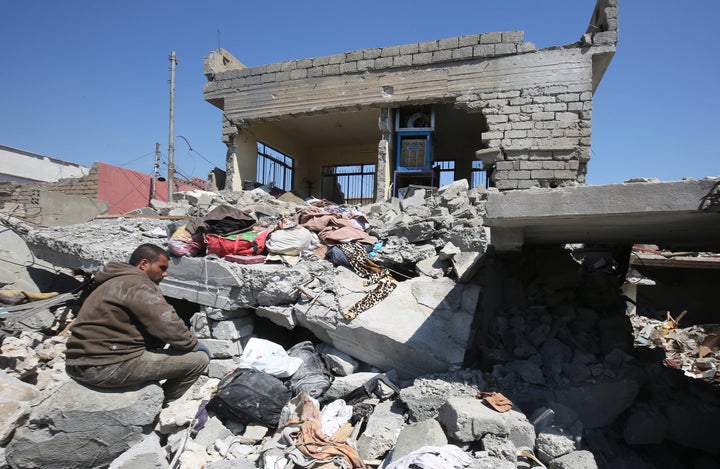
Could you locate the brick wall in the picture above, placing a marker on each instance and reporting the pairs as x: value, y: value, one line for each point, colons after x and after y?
x: 28, y: 194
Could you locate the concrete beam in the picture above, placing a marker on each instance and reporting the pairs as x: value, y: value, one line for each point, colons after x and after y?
x: 677, y: 214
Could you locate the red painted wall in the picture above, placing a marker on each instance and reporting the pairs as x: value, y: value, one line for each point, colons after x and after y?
x: 125, y: 190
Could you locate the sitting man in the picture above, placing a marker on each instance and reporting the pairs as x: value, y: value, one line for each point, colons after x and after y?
x: 118, y: 335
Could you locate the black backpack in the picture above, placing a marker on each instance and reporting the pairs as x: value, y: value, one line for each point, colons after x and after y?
x: 250, y: 396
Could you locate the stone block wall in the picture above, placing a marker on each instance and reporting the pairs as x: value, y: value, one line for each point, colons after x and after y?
x: 543, y: 133
x: 537, y: 103
x: 411, y: 55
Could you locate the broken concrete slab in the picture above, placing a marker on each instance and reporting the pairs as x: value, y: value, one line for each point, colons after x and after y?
x: 466, y: 264
x: 339, y: 363
x: 382, y: 430
x: 500, y: 448
x: 147, y: 453
x: 666, y: 213
x: 467, y: 419
x: 78, y: 427
x: 402, y: 332
x: 415, y: 436
x: 427, y: 394
x: 15, y: 399
x: 575, y: 460
x: 552, y: 443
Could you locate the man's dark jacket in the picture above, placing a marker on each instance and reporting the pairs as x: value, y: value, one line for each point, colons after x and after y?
x: 125, y: 315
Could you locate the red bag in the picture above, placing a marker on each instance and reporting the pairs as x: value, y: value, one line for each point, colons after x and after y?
x: 223, y: 246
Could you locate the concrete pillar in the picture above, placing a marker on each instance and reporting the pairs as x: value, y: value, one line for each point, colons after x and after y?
x: 233, y: 181
x: 241, y: 159
x: 383, y: 172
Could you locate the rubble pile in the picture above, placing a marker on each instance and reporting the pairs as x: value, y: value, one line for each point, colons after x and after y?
x: 694, y: 349
x: 476, y: 359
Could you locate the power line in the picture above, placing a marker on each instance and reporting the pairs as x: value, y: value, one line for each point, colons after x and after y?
x: 195, y: 151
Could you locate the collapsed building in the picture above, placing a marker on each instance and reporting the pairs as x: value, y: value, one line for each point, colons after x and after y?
x: 514, y: 286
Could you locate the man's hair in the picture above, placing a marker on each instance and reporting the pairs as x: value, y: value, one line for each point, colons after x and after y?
x: 147, y: 251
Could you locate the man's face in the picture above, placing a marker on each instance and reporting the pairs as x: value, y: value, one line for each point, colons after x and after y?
x: 157, y: 270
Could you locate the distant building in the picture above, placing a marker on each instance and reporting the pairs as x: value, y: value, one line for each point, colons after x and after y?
x: 22, y: 166
x: 104, y: 190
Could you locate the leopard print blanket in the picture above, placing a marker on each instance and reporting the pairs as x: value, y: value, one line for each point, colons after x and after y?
x: 371, y: 273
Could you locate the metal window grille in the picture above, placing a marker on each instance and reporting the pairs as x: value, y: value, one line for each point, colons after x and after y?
x: 352, y: 184
x: 479, y: 176
x: 274, y: 167
x: 447, y: 172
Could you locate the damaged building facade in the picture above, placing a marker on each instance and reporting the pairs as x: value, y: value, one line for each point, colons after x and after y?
x: 480, y: 107
x: 498, y: 289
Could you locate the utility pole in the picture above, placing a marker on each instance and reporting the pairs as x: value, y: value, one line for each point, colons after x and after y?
x: 171, y: 144
x: 156, y: 167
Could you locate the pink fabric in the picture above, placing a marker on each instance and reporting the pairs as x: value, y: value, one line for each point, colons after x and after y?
x: 333, y: 228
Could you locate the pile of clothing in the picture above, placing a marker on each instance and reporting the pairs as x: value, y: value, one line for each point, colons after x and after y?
x: 335, y: 233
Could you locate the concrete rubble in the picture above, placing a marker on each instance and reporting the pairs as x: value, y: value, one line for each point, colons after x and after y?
x: 546, y: 328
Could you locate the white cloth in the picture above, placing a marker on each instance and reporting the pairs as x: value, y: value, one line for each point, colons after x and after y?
x: 433, y: 457
x: 269, y: 357
x: 335, y: 415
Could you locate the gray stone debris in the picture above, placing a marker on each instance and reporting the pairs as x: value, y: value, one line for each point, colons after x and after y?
x: 77, y: 427
x: 416, y: 435
x: 574, y: 460
x: 544, y: 332
x: 146, y: 454
x: 467, y: 419
x: 15, y: 398
x: 339, y: 363
x: 382, y: 430
x: 426, y: 395
x: 552, y: 443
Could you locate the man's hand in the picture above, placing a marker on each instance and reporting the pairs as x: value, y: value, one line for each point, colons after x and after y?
x: 203, y: 348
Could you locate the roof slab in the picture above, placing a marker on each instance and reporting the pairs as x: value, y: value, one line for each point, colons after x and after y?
x: 680, y: 215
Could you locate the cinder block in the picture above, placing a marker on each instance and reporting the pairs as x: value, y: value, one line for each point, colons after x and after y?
x: 353, y: 56
x: 450, y: 43
x: 333, y: 69
x: 505, y: 49
x: 565, y: 174
x: 298, y: 74
x: 363, y: 65
x: 462, y: 53
x: 390, y: 51
x: 371, y: 53
x: 348, y: 67
x: 484, y: 50
x: 509, y: 94
x: 513, y: 36
x: 422, y: 58
x: 442, y: 56
x: 490, y: 38
x: 402, y: 60
x: 505, y: 185
x: 428, y: 46
x: 409, y: 49
x: 470, y: 40
x: 552, y: 107
x: 383, y: 62
x: 542, y: 174
x: 320, y: 61
x: 543, y: 116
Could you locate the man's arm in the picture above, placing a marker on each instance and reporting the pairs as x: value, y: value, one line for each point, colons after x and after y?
x: 159, y: 319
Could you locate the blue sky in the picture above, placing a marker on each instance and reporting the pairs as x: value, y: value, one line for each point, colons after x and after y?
x: 87, y: 80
